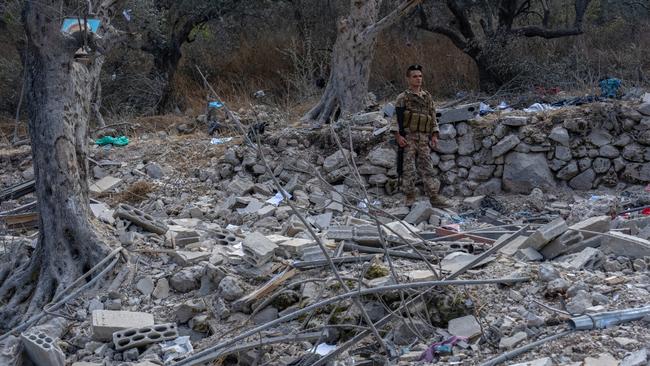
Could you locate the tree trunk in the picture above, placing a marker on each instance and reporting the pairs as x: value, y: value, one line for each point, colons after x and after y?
x: 489, y: 79
x: 350, y: 67
x: 58, y: 94
x: 166, y: 63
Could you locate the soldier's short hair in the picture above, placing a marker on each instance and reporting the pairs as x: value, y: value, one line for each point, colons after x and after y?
x: 414, y: 67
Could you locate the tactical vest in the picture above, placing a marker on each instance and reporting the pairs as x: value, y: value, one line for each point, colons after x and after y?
x: 419, y: 114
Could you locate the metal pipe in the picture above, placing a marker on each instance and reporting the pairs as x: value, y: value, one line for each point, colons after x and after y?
x: 516, y: 352
x: 609, y: 318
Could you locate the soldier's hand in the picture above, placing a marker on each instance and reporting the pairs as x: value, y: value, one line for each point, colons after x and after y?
x: 434, y: 140
x: 401, y: 141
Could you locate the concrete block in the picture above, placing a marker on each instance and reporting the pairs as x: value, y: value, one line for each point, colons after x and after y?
x: 104, y: 184
x: 340, y: 233
x: 186, y: 258
x: 460, y: 113
x: 42, y: 349
x: 366, y: 235
x: 528, y: 255
x: 312, y: 253
x: 515, y: 121
x: 107, y: 322
x: 140, y: 218
x: 138, y: 337
x: 599, y: 224
x: 294, y: 246
x: 625, y: 245
x: 102, y: 212
x: 512, y: 247
x: 473, y: 202
x: 181, y: 236
x: 573, y: 241
x: 266, y: 211
x: 419, y: 213
x: 258, y: 249
x: 465, y: 326
x: 561, y: 244
x: 588, y: 258
x: 511, y: 342
x: 223, y: 237
x: 545, y: 234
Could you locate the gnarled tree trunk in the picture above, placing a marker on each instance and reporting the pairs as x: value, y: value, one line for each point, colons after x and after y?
x: 59, y: 93
x: 351, y: 57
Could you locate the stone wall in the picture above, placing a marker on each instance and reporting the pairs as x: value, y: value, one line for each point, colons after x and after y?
x: 600, y: 144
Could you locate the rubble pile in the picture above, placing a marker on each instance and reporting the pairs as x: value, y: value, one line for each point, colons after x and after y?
x: 283, y: 253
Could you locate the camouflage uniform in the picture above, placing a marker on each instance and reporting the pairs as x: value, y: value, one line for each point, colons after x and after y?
x: 419, y: 124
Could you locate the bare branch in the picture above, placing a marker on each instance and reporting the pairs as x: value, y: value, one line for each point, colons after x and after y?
x: 402, y: 10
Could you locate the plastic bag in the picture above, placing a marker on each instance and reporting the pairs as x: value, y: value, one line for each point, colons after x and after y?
x: 115, y: 141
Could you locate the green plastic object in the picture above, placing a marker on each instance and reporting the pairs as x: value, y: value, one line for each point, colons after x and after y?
x: 115, y: 141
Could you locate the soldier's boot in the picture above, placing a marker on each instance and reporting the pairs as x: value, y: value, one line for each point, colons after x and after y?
x: 440, y: 201
x: 410, y: 199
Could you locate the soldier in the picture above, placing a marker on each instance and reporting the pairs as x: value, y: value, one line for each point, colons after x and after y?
x: 417, y: 131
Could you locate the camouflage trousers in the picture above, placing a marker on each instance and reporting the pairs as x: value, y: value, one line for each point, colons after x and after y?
x: 417, y: 159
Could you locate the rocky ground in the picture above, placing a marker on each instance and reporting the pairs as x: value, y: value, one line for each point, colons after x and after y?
x: 212, y: 250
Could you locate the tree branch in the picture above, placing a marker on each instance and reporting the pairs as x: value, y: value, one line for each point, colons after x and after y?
x: 402, y: 10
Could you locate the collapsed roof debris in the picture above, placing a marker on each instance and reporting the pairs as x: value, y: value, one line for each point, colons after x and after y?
x: 291, y: 251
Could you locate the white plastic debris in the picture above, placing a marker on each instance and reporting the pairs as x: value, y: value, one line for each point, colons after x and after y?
x: 175, y: 349
x: 220, y: 140
x: 278, y: 198
x: 323, y: 349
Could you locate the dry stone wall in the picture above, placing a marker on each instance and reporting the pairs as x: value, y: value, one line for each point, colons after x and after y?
x: 600, y: 144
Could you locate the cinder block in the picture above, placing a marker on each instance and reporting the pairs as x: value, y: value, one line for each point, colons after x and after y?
x: 294, y: 246
x: 340, y: 233
x: 366, y: 235
x: 225, y: 238
x: 42, y: 349
x: 107, y: 322
x: 140, y: 218
x: 137, y: 337
x: 460, y: 113
x: 258, y: 249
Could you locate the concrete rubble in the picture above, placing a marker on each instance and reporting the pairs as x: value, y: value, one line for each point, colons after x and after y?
x: 215, y: 248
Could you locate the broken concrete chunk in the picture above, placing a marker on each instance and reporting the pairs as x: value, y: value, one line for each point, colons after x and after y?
x: 337, y: 160
x: 528, y: 255
x: 186, y: 280
x: 186, y: 258
x: 466, y: 326
x: 419, y: 213
x: 511, y: 342
x: 603, y: 359
x: 589, y: 258
x: 161, y: 291
x: 625, y: 245
x: 107, y: 322
x: 145, y: 285
x: 139, y: 218
x: 258, y: 249
x: 104, y: 184
x: 473, y: 202
x: 457, y: 260
x: 181, y: 236
x: 102, y: 212
x: 545, y: 234
x: 294, y: 246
